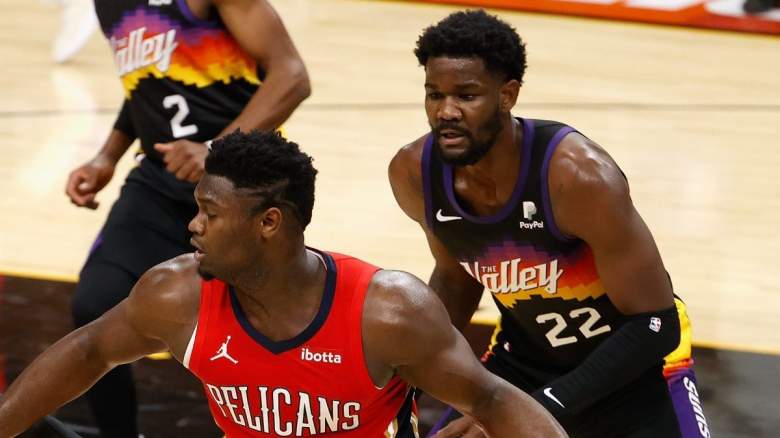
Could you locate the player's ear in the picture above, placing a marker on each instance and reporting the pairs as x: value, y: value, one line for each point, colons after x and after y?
x: 508, y: 95
x: 269, y: 222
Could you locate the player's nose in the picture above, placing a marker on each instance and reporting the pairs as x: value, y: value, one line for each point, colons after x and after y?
x: 448, y: 110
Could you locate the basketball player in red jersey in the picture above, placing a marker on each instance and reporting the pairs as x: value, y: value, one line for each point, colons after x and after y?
x: 288, y: 340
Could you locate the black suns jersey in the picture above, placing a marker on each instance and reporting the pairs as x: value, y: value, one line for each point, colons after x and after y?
x: 554, y: 309
x: 184, y: 77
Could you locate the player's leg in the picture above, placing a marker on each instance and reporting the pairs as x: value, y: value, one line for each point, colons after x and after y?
x: 143, y: 229
x: 640, y: 409
x: 687, y: 404
x: 679, y: 416
x: 113, y: 398
x: 681, y: 381
x: 663, y: 402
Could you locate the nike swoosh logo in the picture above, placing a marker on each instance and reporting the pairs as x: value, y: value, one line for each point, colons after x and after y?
x: 548, y: 393
x: 442, y: 218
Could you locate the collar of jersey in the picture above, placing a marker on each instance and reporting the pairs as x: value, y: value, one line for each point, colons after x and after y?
x: 506, y: 210
x: 277, y: 347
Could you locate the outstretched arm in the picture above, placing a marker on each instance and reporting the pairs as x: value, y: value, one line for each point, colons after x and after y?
x: 406, y: 331
x: 144, y: 323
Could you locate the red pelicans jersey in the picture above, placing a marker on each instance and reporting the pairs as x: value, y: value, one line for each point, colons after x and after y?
x: 316, y: 383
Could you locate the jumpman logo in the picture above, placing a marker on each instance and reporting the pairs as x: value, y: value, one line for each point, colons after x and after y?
x: 222, y: 352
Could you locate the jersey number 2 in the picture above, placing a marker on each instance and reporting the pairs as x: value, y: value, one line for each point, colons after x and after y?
x: 182, y: 110
x: 586, y: 328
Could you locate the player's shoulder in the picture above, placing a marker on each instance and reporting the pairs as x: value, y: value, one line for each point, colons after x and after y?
x: 394, y: 296
x: 405, y: 174
x: 175, y: 272
x: 402, y: 318
x: 408, y: 158
x: 170, y: 289
x: 581, y: 166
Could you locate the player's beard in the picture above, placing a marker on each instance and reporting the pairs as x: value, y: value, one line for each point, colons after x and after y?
x: 476, y: 149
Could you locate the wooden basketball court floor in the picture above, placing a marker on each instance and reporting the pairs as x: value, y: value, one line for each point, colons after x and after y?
x: 691, y: 116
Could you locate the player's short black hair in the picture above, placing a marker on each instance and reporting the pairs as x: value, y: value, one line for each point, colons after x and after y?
x: 475, y: 33
x: 268, y: 166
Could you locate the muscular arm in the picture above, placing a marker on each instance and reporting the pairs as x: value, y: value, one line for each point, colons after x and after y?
x: 458, y: 291
x: 155, y: 317
x: 400, y: 308
x: 591, y: 201
x: 260, y: 32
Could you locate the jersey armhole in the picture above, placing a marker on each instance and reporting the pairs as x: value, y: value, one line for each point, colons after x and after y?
x: 190, y: 16
x: 356, y: 343
x: 190, y: 345
x: 545, y: 185
x: 425, y: 171
x: 191, y: 359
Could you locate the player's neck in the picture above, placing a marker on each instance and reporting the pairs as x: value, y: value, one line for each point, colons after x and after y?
x: 488, y: 184
x: 283, y: 300
x: 503, y: 158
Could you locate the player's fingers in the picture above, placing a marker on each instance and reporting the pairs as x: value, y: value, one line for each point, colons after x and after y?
x: 88, y: 182
x: 71, y: 183
x: 174, y: 162
x: 165, y: 149
x: 195, y: 175
x: 90, y: 202
x: 87, y: 200
x: 183, y: 172
x: 72, y: 190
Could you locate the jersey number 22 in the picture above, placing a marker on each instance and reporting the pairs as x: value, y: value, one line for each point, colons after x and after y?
x: 586, y: 328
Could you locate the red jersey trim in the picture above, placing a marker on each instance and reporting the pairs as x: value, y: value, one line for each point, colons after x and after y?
x: 356, y: 329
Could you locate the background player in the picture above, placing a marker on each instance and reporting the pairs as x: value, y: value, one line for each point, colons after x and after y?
x: 191, y: 71
x: 541, y: 216
x: 288, y: 340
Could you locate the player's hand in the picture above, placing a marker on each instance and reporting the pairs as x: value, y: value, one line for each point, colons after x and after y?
x: 87, y: 180
x: 463, y: 427
x: 183, y: 158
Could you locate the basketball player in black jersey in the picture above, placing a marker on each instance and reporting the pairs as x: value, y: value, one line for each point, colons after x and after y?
x: 192, y: 70
x: 541, y: 216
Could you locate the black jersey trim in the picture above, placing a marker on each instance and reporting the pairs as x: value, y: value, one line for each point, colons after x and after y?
x: 406, y: 427
x: 426, y: 175
x: 277, y: 347
x: 548, y: 212
x: 509, y: 207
